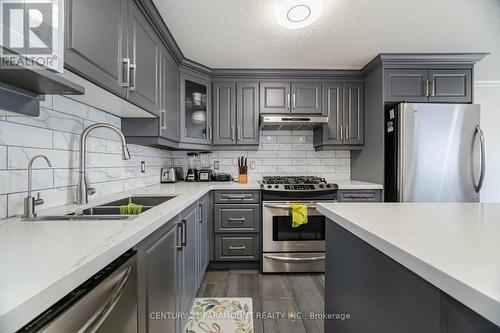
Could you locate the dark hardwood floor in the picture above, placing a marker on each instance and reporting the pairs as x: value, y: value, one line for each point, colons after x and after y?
x: 272, y: 295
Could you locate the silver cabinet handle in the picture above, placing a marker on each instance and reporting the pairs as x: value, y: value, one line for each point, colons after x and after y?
x: 238, y: 131
x: 236, y: 219
x: 426, y: 88
x: 201, y: 213
x: 210, y: 134
x: 480, y: 134
x: 163, y: 122
x: 236, y: 197
x: 433, y: 87
x: 288, y: 102
x: 93, y: 324
x: 184, y: 232
x: 346, y: 133
x: 291, y: 259
x: 233, y: 135
x: 133, y: 69
x: 341, y: 133
x: 294, y: 105
x: 237, y: 247
x: 126, y: 72
x: 178, y: 234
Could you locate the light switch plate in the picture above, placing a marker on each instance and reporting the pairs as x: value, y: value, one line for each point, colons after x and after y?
x: 253, y: 165
x: 216, y: 165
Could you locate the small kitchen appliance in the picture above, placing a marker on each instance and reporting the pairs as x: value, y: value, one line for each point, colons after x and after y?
x: 205, y: 174
x: 286, y: 249
x: 168, y: 175
x: 193, y: 164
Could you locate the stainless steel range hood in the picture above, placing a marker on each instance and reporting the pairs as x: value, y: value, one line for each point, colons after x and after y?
x: 291, y: 122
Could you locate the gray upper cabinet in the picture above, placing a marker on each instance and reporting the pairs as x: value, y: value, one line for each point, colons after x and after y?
x: 353, y: 113
x: 450, y: 85
x: 224, y: 113
x: 306, y: 98
x: 144, y: 53
x: 236, y: 113
x: 428, y: 85
x: 407, y: 85
x: 275, y: 97
x: 332, y: 133
x: 196, y: 109
x: 169, y: 94
x: 343, y: 103
x: 247, y: 113
x: 95, y: 47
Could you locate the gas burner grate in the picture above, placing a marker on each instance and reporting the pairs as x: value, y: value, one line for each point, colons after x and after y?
x: 290, y: 180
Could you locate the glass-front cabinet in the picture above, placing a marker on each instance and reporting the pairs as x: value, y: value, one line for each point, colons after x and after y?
x: 196, y: 113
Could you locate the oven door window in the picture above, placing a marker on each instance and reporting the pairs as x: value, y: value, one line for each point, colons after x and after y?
x: 314, y: 230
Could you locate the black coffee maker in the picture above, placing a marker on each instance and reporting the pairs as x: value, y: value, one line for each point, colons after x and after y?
x: 193, y: 164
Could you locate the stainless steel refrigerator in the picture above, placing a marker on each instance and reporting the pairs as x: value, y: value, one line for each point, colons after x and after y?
x: 433, y: 153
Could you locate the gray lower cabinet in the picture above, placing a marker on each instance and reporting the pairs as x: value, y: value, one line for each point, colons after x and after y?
x: 203, y: 237
x: 343, y: 103
x: 359, y: 195
x: 236, y: 113
x: 157, y: 277
x: 94, y: 44
x: 144, y: 53
x: 236, y: 225
x: 428, y: 85
x: 171, y: 265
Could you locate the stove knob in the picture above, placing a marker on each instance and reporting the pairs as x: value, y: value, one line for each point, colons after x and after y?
x: 269, y: 186
x: 276, y: 186
x: 321, y: 186
x: 328, y: 185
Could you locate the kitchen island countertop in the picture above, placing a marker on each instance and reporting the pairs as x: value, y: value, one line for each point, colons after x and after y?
x: 454, y: 246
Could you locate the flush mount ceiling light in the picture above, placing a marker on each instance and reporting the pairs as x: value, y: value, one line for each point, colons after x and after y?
x: 294, y: 14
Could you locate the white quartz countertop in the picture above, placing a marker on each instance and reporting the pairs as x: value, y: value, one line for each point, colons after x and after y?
x: 454, y: 246
x: 42, y: 262
x: 356, y: 185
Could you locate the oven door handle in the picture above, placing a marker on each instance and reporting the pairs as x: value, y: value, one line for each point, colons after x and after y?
x: 290, y: 259
x: 286, y: 206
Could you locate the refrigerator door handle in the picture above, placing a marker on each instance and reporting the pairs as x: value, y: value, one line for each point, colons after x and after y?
x: 479, y: 133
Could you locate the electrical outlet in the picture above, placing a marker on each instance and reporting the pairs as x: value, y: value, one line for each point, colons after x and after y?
x: 253, y: 165
x: 216, y: 165
x: 143, y: 167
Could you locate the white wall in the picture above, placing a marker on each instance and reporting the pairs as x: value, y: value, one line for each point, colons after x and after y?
x: 56, y: 133
x: 487, y: 93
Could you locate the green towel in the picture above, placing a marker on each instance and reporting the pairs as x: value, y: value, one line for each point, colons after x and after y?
x: 131, y: 209
x: 299, y: 214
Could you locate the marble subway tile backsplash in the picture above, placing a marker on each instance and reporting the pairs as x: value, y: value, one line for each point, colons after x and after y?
x: 56, y: 133
x: 284, y: 153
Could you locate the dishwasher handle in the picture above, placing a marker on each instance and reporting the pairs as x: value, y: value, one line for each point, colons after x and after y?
x: 100, y: 316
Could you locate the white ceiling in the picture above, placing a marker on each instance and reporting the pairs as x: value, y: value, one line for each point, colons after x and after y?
x: 245, y: 34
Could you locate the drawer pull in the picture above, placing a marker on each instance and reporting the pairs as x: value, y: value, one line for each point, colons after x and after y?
x: 234, y: 248
x: 292, y: 259
x: 236, y: 197
x: 236, y: 219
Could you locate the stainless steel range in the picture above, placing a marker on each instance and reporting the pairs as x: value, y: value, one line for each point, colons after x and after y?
x: 287, y: 249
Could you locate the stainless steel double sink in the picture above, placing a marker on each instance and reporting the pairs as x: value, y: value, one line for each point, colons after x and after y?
x: 107, y: 212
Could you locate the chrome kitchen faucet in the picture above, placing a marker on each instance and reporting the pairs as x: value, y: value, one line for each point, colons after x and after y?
x: 30, y: 202
x: 83, y: 191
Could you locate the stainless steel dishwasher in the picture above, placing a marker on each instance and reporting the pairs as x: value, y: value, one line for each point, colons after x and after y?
x: 107, y: 302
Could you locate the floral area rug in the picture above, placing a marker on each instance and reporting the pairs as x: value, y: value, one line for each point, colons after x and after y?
x: 220, y: 315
